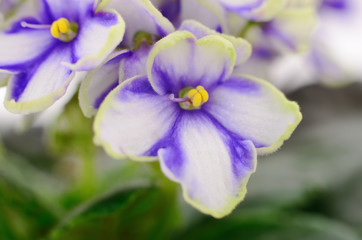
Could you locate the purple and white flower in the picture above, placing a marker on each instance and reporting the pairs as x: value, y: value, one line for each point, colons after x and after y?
x: 336, y: 44
x: 43, y: 51
x: 205, y: 124
x: 289, y: 33
x: 217, y: 14
x: 334, y: 54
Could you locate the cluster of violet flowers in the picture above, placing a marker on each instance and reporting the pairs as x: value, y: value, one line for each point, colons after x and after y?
x: 174, y: 81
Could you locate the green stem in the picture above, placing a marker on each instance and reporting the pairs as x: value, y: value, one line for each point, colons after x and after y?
x: 249, y: 25
x: 170, y: 191
x: 89, y: 177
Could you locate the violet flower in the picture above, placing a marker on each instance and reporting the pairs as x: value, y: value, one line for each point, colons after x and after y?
x: 42, y: 52
x: 203, y: 123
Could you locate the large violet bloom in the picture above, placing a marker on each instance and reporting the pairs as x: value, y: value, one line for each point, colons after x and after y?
x: 204, y: 124
x: 42, y: 52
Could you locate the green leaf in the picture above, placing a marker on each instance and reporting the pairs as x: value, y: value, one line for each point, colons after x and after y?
x: 72, y: 132
x: 23, y: 214
x: 256, y: 225
x: 139, y: 212
x: 72, y: 135
x: 347, y: 199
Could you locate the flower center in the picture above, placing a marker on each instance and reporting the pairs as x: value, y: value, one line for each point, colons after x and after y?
x: 60, y: 29
x: 191, y: 98
x: 63, y: 30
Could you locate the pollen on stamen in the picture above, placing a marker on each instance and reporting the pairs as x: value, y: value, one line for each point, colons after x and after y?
x: 191, y: 98
x: 63, y: 30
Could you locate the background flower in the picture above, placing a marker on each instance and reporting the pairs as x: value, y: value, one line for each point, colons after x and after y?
x: 36, y: 54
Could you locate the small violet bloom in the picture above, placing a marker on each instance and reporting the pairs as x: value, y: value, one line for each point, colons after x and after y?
x: 203, y: 123
x: 334, y: 52
x: 336, y: 43
x: 216, y: 14
x: 42, y: 52
x: 289, y: 33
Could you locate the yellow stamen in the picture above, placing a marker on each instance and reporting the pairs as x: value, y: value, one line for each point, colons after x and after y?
x: 198, y: 96
x: 63, y: 25
x: 197, y: 100
x: 62, y: 30
x: 204, y: 93
x: 54, y: 30
x: 192, y: 93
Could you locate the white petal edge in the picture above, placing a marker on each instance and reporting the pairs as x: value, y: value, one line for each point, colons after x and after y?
x: 242, y: 47
x: 33, y: 99
x: 207, y: 175
x: 249, y: 115
x: 97, y: 81
x: 92, y: 56
x: 186, y: 59
x: 128, y: 130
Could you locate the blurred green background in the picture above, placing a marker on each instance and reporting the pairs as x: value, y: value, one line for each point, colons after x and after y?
x: 55, y: 184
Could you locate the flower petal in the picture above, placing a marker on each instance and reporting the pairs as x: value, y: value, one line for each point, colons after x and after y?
x: 4, y: 78
x: 212, y: 167
x: 133, y: 120
x: 179, y: 60
x: 135, y: 63
x: 265, y: 12
x: 140, y: 15
x: 70, y: 9
x: 40, y: 86
x: 242, y: 5
x: 22, y: 47
x: 208, y: 12
x: 98, y: 83
x: 98, y: 36
x: 170, y: 9
x: 96, y: 87
x: 294, y: 26
x: 242, y: 47
x: 254, y: 110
